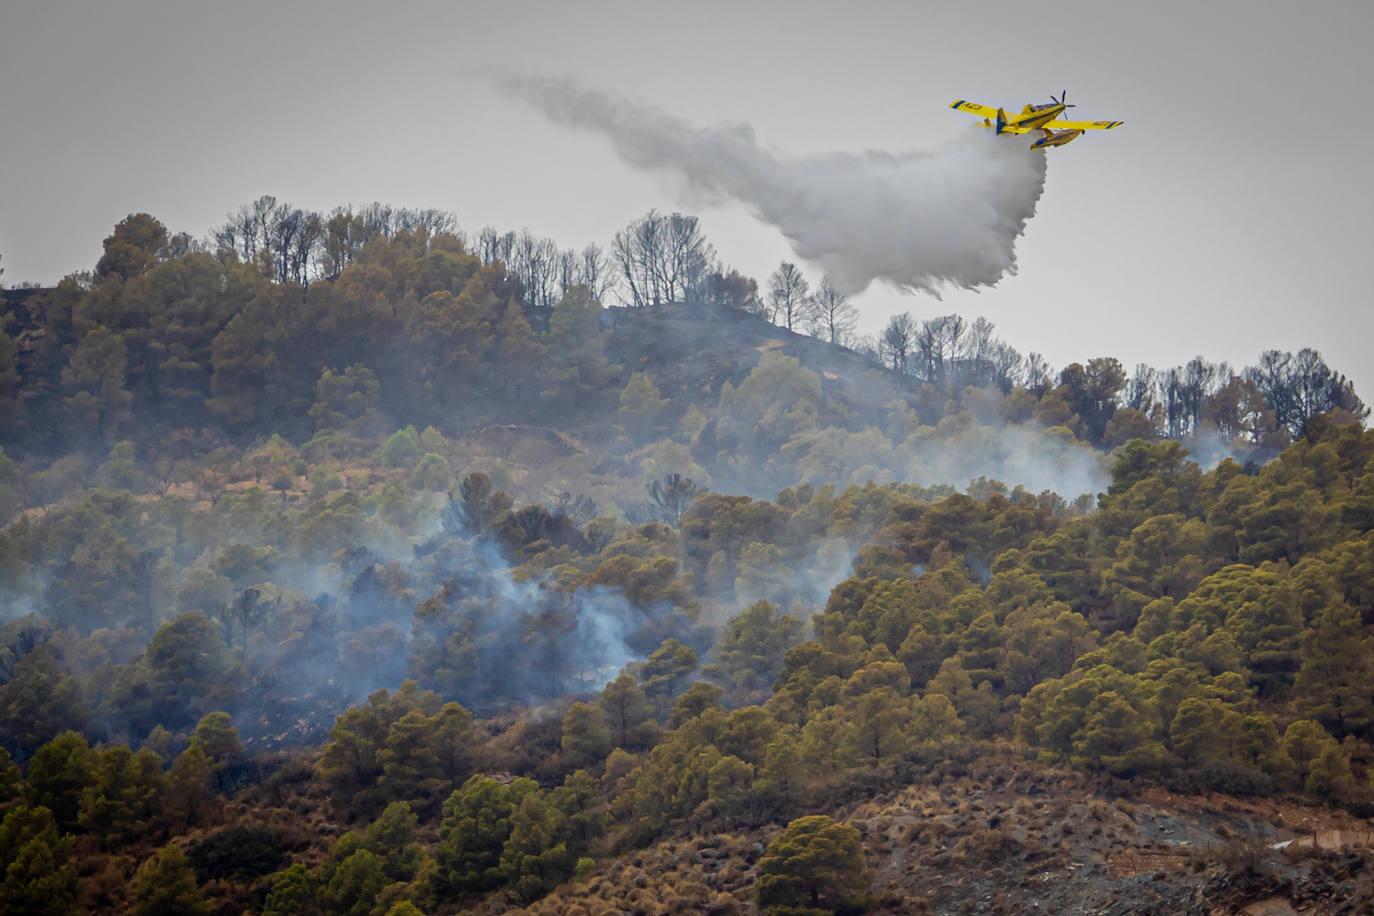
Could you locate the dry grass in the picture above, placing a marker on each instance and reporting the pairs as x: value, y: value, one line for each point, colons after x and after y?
x: 711, y: 874
x: 972, y: 844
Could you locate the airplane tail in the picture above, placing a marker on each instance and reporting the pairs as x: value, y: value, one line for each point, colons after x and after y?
x: 1001, y: 119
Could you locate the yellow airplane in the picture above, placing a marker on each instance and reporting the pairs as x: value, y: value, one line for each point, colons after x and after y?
x: 1035, y: 117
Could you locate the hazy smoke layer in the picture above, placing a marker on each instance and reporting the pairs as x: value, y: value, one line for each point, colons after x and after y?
x: 916, y: 220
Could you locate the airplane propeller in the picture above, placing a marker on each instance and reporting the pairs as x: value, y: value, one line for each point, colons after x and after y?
x: 1060, y: 101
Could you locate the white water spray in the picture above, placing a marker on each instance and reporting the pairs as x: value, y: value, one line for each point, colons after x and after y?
x: 917, y: 220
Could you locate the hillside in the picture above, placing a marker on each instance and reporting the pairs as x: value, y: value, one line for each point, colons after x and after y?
x: 689, y: 350
x: 412, y: 590
x: 1000, y: 834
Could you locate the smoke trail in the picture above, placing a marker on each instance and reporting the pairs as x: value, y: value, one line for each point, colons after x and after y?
x: 916, y: 220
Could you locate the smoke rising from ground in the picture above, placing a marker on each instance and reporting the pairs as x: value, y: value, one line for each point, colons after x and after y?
x: 918, y: 220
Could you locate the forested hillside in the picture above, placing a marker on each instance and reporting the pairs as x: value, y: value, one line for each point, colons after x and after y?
x: 353, y: 565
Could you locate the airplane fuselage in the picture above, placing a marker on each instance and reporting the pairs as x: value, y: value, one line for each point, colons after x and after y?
x: 1033, y: 117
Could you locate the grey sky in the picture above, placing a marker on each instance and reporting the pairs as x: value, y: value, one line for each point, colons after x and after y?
x: 1227, y: 216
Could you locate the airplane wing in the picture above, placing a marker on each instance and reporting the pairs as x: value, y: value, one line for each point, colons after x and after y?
x: 1084, y: 125
x: 982, y: 111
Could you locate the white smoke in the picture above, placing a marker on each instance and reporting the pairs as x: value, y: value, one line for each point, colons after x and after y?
x: 916, y: 220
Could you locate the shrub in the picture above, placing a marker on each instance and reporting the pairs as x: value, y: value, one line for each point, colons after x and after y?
x: 237, y: 853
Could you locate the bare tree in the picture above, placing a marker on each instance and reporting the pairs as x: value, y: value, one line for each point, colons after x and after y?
x: 978, y: 344
x: 579, y: 509
x: 1201, y: 380
x: 431, y: 220
x: 534, y: 264
x: 672, y: 496
x: 948, y: 331
x: 292, y: 237
x: 1273, y: 377
x: 662, y: 258
x: 566, y: 271
x: 546, y: 278
x: 928, y: 343
x: 167, y: 473
x: 634, y: 250
x: 243, y: 613
x: 596, y: 271
x: 1184, y: 391
x: 379, y: 218
x: 1314, y: 388
x: 1298, y: 388
x: 285, y: 240
x: 1008, y: 367
x: 493, y: 246
x: 686, y: 259
x: 834, y: 317
x: 1037, y: 374
x: 284, y: 224
x: 789, y: 294
x: 896, y: 340
x: 1171, y: 389
x: 1141, y: 389
x: 308, y: 242
x: 247, y: 229
x: 973, y: 362
x: 295, y: 245
x: 954, y: 328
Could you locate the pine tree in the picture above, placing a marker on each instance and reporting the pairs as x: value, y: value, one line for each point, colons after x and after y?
x: 39, y: 878
x: 627, y: 712
x: 474, y: 830
x: 586, y: 737
x: 165, y: 885
x: 816, y: 867
x: 125, y: 802
x: 1332, y: 685
x: 57, y: 775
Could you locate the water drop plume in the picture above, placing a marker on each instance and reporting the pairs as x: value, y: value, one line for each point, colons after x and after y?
x: 917, y: 220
